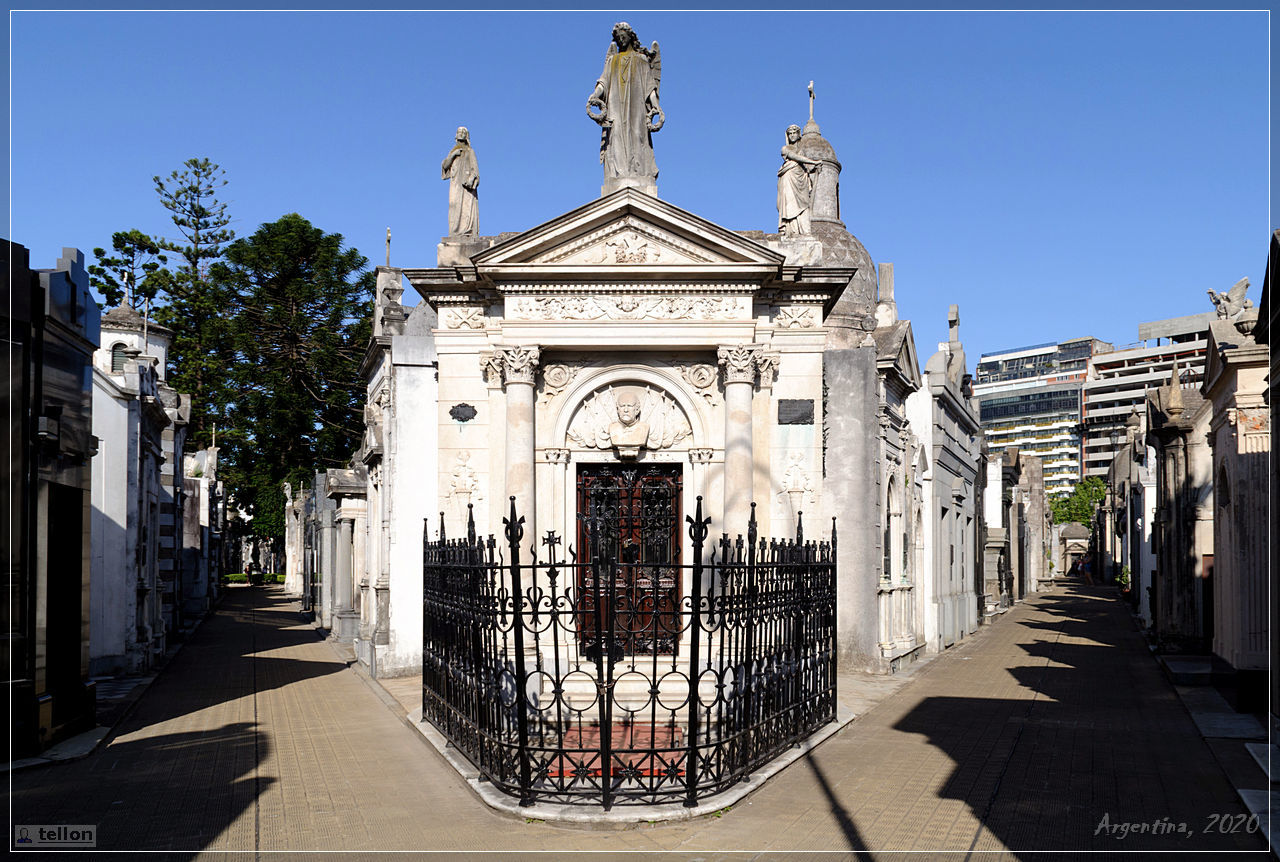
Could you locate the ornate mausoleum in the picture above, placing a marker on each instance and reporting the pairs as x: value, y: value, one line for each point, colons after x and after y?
x: 609, y: 456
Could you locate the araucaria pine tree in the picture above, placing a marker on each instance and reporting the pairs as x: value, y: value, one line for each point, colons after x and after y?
x: 301, y: 328
x: 198, y: 311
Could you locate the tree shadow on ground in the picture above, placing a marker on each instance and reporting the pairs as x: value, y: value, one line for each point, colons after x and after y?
x: 155, y: 784
x: 173, y: 792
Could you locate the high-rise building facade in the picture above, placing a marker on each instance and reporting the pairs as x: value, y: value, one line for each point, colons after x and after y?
x: 1118, y: 381
x: 1030, y: 399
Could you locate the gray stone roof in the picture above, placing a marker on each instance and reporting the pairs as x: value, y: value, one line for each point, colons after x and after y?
x: 889, y: 339
x: 122, y: 318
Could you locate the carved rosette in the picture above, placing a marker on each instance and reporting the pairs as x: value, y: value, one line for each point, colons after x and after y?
x: 739, y: 362
x: 701, y: 376
x: 557, y: 375
x: 519, y: 364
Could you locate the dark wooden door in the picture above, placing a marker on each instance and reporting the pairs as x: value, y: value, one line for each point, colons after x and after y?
x: 629, y: 532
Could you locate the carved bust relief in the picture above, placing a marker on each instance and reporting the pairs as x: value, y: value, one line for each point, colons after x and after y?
x: 628, y: 419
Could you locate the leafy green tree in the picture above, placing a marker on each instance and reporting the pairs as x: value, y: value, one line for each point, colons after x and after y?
x: 198, y: 311
x: 300, y: 331
x: 133, y: 275
x: 1081, y: 503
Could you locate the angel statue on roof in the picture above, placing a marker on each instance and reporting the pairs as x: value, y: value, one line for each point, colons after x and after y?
x: 626, y: 107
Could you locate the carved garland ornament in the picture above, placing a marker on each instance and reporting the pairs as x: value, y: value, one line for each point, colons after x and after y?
x: 628, y: 308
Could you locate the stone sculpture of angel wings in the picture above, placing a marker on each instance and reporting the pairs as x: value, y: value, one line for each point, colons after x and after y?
x: 1232, y: 302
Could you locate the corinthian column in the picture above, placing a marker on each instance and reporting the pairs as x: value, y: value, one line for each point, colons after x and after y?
x: 518, y: 366
x: 738, y: 364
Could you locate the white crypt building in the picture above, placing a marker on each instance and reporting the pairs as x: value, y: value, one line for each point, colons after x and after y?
x: 632, y: 342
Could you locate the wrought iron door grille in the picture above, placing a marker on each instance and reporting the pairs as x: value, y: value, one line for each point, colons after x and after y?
x: 629, y: 518
x: 506, y: 678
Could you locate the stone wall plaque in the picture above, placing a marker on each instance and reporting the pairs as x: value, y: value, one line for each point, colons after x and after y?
x: 462, y: 412
x: 795, y: 411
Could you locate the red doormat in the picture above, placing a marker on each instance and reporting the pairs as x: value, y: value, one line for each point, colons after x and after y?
x: 631, y: 746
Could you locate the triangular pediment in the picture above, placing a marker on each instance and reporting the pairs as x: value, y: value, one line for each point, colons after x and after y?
x: 908, y: 362
x: 627, y: 229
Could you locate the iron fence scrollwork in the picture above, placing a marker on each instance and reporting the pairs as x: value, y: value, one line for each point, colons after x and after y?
x: 585, y: 680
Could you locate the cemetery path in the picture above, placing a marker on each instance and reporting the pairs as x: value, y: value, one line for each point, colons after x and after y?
x: 1048, y: 731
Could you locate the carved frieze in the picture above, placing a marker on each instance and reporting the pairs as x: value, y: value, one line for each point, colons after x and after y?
x: 701, y: 456
x: 629, y: 307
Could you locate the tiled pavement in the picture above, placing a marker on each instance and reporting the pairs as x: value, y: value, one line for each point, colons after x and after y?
x: 1026, y: 738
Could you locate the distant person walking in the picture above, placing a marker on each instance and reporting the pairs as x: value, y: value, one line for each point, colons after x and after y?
x: 1086, y: 569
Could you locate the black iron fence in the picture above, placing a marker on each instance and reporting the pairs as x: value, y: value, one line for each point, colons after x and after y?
x: 591, y: 681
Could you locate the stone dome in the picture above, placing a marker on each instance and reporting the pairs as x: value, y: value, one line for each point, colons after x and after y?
x: 813, y: 145
x: 856, y: 307
x: 122, y: 318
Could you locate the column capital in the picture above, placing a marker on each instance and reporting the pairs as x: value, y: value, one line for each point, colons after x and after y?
x: 738, y: 362
x: 767, y: 365
x: 519, y: 364
x: 491, y: 368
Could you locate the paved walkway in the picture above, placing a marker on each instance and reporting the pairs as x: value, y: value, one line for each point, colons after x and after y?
x: 1049, y: 731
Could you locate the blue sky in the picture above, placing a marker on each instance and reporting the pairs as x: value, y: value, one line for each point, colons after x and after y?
x: 1055, y: 174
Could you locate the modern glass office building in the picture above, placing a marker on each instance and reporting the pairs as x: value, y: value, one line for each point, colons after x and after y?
x: 1030, y: 398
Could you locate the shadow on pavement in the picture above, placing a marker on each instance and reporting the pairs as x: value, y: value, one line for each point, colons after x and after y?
x: 1101, y: 757
x: 176, y: 792
x: 182, y: 768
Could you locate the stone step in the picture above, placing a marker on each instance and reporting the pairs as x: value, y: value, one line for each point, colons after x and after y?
x: 1188, y: 669
x: 1261, y: 753
x: 1214, y: 716
x: 1265, y: 805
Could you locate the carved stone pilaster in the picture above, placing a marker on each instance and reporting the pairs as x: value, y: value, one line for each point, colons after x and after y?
x: 739, y: 362
x: 491, y: 367
x: 382, y: 597
x: 767, y: 366
x: 519, y: 364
